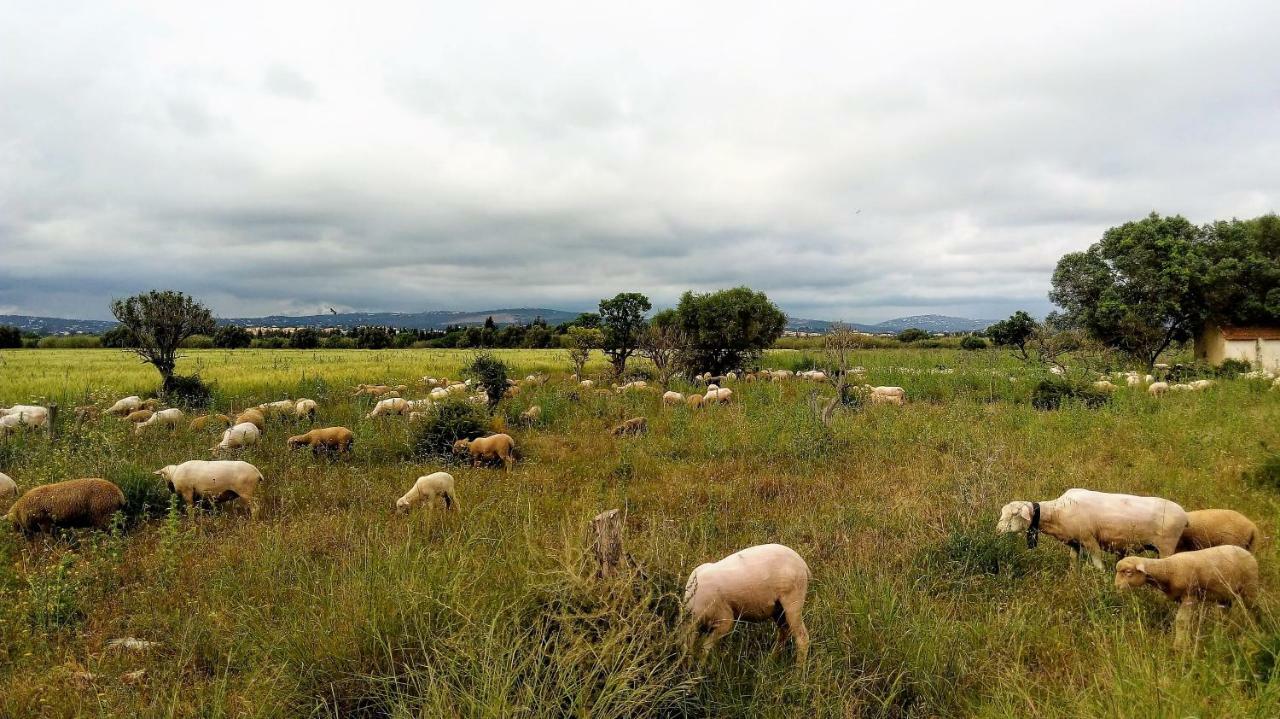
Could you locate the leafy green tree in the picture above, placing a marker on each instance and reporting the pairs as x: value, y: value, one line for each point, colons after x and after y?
x: 491, y: 373
x: 1016, y: 332
x: 1242, y: 282
x: 726, y: 329
x: 1139, y: 289
x: 579, y: 341
x: 160, y: 320
x: 306, y: 338
x: 10, y: 337
x: 231, y: 337
x: 973, y: 342
x: 912, y: 334
x: 372, y: 338
x: 663, y: 344
x: 622, y: 321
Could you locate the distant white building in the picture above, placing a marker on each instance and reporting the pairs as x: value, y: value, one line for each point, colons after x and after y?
x: 1257, y: 345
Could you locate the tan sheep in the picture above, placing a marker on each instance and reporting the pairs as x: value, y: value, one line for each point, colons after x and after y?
x: 253, y: 417
x: 1217, y: 574
x: 1218, y: 527
x: 497, y: 447
x: 672, y: 398
x: 70, y: 504
x: 371, y: 390
x: 694, y: 401
x: 139, y: 416
x: 242, y: 435
x: 757, y: 584
x: 124, y: 406
x: 216, y: 480
x: 87, y: 413
x: 427, y: 489
x: 305, y: 409
x: 1155, y: 389
x: 164, y: 418
x: 630, y: 427
x: 8, y: 490
x: 333, y: 439
x: 532, y: 415
x: 209, y: 420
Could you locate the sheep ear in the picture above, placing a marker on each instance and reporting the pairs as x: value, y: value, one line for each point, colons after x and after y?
x: 1025, y: 511
x: 1141, y: 567
x: 159, y: 472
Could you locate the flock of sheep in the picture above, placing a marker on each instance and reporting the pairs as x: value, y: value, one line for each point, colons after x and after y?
x: 1202, y: 555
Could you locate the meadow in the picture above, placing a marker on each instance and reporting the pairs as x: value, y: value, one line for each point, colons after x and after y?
x: 330, y: 605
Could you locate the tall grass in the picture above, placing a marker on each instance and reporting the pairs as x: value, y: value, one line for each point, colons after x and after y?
x: 331, y: 605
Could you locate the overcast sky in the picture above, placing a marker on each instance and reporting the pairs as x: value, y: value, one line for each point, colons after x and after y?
x: 854, y: 161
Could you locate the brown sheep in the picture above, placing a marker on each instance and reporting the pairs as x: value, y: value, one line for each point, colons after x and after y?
x: 335, y: 439
x: 1218, y: 527
x: 73, y: 503
x: 221, y: 421
x: 488, y: 449
x: 1218, y: 574
x: 695, y: 401
x: 633, y: 426
x: 253, y: 417
x: 139, y: 416
x: 87, y: 413
x: 531, y: 415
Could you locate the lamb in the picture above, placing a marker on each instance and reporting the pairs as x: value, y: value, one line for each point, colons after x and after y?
x: 8, y: 489
x: 1218, y: 527
x: 209, y: 420
x: 672, y: 398
x: 759, y: 583
x: 335, y: 439
x: 253, y: 417
x: 1157, y: 388
x: 164, y: 418
x: 427, y: 489
x: 122, y: 407
x: 73, y: 503
x: 531, y: 415
x: 242, y: 435
x: 1090, y: 522
x: 305, y: 409
x: 488, y: 449
x: 391, y: 405
x: 215, y: 480
x: 1217, y: 574
x: 633, y: 426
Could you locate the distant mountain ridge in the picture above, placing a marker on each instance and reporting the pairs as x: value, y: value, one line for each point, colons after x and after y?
x: 439, y: 319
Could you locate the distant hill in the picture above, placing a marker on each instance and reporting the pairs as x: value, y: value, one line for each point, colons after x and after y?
x: 439, y: 319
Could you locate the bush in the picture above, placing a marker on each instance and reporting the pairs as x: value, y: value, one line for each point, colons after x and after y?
x: 1267, y: 474
x: 373, y: 338
x: 338, y: 342
x: 232, y: 337
x: 973, y: 342
x: 197, y: 342
x: 1232, y: 367
x: 187, y: 391
x: 69, y: 342
x: 145, y: 494
x: 912, y: 334
x: 268, y: 343
x: 447, y: 422
x: 1052, y: 391
x: 491, y: 373
x: 10, y: 337
x: 304, y: 339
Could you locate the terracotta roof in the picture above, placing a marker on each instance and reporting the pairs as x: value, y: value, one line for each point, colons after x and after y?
x: 1251, y: 333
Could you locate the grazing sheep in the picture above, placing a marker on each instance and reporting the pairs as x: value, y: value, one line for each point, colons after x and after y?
x: 87, y: 413
x: 633, y: 426
x: 531, y: 415
x: 8, y: 489
x: 694, y: 401
x: 335, y: 439
x: 1201, y: 384
x: 70, y: 504
x: 1090, y: 522
x: 885, y: 395
x: 439, y: 393
x: 1103, y: 385
x: 305, y: 409
x: 419, y: 404
x: 458, y: 387
x: 722, y: 395
x: 209, y: 420
x: 281, y: 408
x: 1157, y: 388
x: 372, y: 390
x: 389, y: 406
x: 139, y: 416
x: 1217, y: 574
x: 757, y: 584
x: 497, y: 447
x: 122, y: 407
x: 253, y: 417
x: 164, y: 418
x: 672, y: 398
x: 30, y: 415
x: 242, y: 435
x: 587, y: 384
x: 215, y: 480
x: 632, y: 386
x: 1218, y: 527
x: 427, y: 489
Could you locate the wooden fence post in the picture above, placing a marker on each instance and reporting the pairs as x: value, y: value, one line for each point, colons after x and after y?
x: 606, y: 542
x: 53, y: 421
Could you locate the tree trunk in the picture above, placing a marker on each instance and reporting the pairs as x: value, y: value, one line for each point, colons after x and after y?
x: 606, y: 542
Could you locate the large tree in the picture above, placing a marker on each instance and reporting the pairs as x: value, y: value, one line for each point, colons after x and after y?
x: 729, y: 328
x: 663, y: 343
x: 622, y: 321
x: 1139, y: 289
x: 159, y: 321
x: 579, y: 341
x: 1014, y: 332
x: 1242, y: 282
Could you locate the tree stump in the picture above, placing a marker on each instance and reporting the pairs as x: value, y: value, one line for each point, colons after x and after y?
x: 606, y: 542
x: 53, y: 421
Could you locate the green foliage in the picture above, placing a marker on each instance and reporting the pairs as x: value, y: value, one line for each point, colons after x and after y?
x: 338, y: 342
x: 160, y: 321
x: 306, y: 338
x: 187, y: 391
x: 198, y: 342
x: 1051, y: 392
x: 1242, y: 283
x: 727, y: 330
x: 372, y: 338
x: 447, y: 422
x: 10, y: 337
x: 232, y: 337
x: 579, y: 341
x: 973, y: 342
x: 1016, y: 332
x: 145, y: 494
x: 54, y: 593
x: 491, y: 373
x: 1267, y: 473
x: 1231, y: 367
x: 623, y: 324
x: 70, y: 342
x: 912, y: 334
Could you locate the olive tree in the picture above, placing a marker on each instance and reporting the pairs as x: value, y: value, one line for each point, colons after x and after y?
x: 159, y: 321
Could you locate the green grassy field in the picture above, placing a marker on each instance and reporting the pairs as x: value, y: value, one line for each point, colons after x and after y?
x: 331, y: 605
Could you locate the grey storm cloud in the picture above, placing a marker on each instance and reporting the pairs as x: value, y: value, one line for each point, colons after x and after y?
x: 853, y: 161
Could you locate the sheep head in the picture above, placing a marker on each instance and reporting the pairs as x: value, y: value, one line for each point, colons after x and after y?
x: 1131, y: 572
x: 462, y: 445
x: 296, y: 441
x: 1014, y: 517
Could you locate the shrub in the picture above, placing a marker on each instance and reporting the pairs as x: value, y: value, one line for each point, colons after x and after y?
x: 1052, y: 391
x: 1267, y: 474
x: 491, y: 373
x: 268, y: 343
x: 1232, y: 367
x: 304, y: 339
x: 338, y: 342
x: 232, y: 337
x: 187, y: 391
x: 10, y: 337
x: 68, y: 342
x: 912, y: 334
x: 973, y: 342
x: 373, y: 338
x: 198, y: 342
x: 447, y: 422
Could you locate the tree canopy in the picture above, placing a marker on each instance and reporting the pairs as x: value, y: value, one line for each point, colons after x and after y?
x: 622, y: 321
x: 726, y: 329
x: 1014, y: 332
x: 159, y: 321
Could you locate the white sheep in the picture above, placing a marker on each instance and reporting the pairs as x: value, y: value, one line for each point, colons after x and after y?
x: 670, y: 397
x: 715, y: 394
x: 305, y: 409
x: 1103, y: 385
x: 242, y: 435
x: 885, y: 395
x: 164, y: 418
x: 216, y: 480
x: 761, y: 583
x: 439, y: 393
x: 427, y: 489
x: 586, y: 384
x: 393, y: 405
x: 132, y: 403
x: 1201, y: 384
x: 30, y: 415
x: 1218, y: 574
x: 8, y: 490
x: 1090, y: 522
x: 1157, y: 388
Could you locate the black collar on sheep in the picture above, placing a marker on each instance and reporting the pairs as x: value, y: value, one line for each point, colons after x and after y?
x: 1033, y: 531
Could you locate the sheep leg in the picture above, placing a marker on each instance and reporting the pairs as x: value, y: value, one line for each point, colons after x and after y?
x: 796, y: 628
x: 1167, y: 547
x: 1093, y: 550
